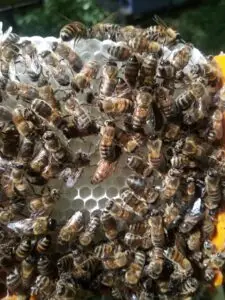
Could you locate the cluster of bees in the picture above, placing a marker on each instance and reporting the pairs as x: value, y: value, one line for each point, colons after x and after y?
x: 159, y: 115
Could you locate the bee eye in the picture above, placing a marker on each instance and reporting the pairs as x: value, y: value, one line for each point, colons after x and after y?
x: 52, y: 224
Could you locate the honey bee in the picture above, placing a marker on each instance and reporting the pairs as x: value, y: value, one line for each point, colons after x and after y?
x: 155, y: 267
x: 107, y: 144
x: 82, y: 79
x: 38, y: 226
x: 104, y: 31
x: 22, y: 119
x: 192, y: 217
x: 53, y: 144
x: 116, y: 105
x: 118, y: 260
x: 104, y: 170
x: 23, y: 249
x: 213, y: 192
x: 155, y: 155
x: 157, y: 231
x: 142, y: 45
x: 161, y: 33
x: 28, y: 48
x: 109, y: 224
x: 131, y: 70
x: 109, y: 79
x: 23, y: 91
x: 182, y: 56
x: 120, y: 210
x: 88, y: 235
x: 43, y: 244
x: 171, y: 184
x: 139, y: 206
x: 141, y: 110
x: 216, y: 133
x: 129, y: 142
x: 181, y: 161
x: 171, y: 215
x: 190, y: 286
x: 166, y: 73
x: 63, y: 50
x: 209, y: 71
x: 148, y: 70
x: 136, y: 183
x: 194, y: 241
x: 28, y: 266
x: 66, y: 263
x: 120, y: 51
x: 13, y: 280
x: 45, y: 266
x: 43, y: 285
x: 75, y: 30
x: 66, y: 287
x: 196, y: 149
x: 137, y: 241
x: 72, y: 227
x: 135, y: 269
x: 44, y: 204
x: 39, y: 161
x: 122, y: 89
x: 179, y: 260
x: 136, y: 164
x: 208, y: 226
x: 45, y: 111
x: 10, y: 139
x: 26, y: 151
x: 81, y: 117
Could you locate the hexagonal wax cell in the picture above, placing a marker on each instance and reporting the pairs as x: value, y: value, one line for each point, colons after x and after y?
x: 112, y: 192
x: 78, y: 204
x: 102, y: 202
x: 85, y: 192
x: 90, y: 204
x: 98, y: 192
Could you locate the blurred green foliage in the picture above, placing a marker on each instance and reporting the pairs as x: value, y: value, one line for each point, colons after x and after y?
x: 48, y: 19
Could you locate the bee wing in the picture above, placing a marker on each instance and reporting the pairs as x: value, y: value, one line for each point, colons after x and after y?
x: 6, y: 34
x: 22, y: 226
x: 196, y: 209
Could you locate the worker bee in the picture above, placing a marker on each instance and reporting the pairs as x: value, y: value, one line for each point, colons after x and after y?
x: 107, y: 145
x: 66, y: 263
x: 72, y: 227
x: 63, y: 50
x: 208, y: 226
x: 82, y: 79
x: 136, y: 164
x: 136, y: 183
x: 44, y: 285
x: 194, y: 241
x: 45, y: 111
x: 66, y: 287
x: 23, y: 249
x: 137, y: 241
x: 190, y: 286
x: 28, y: 48
x: 28, y: 266
x: 182, y: 56
x: 209, y: 71
x: 39, y: 161
x: 216, y: 133
x: 109, y: 79
x: 139, y: 206
x: 134, y: 271
x: 120, y: 210
x: 157, y: 231
x: 166, y: 73
x: 88, y: 235
x: 119, y: 259
x: 44, y: 204
x: 109, y: 224
x: 155, y: 155
x: 171, y: 215
x: 116, y: 105
x: 192, y: 217
x: 120, y: 51
x: 13, y: 281
x: 131, y: 70
x: 161, y: 33
x: 26, y: 151
x: 141, y: 110
x: 10, y: 139
x: 196, y: 149
x: 139, y: 228
x: 38, y: 226
x: 155, y: 267
x: 213, y: 192
x: 165, y: 102
x: 104, y: 170
x: 75, y: 30
x: 104, y: 31
x: 179, y: 260
x: 171, y: 184
x: 180, y: 161
x: 148, y: 70
x: 53, y: 144
x: 23, y: 91
x: 122, y: 89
